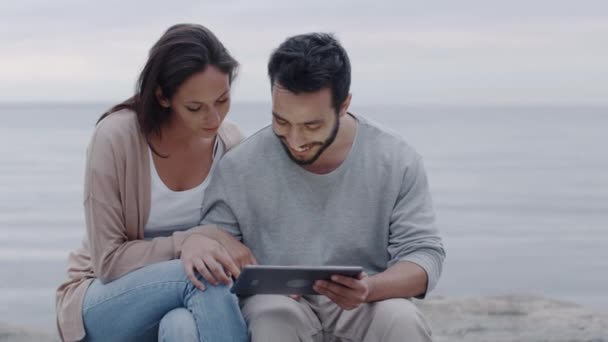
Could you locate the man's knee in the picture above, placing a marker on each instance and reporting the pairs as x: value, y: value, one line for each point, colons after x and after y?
x: 274, y: 314
x: 177, y: 325
x: 281, y: 309
x: 400, y: 316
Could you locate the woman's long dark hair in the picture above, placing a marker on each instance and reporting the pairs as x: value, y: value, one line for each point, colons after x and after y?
x: 183, y: 50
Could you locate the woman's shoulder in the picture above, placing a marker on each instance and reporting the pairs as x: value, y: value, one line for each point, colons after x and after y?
x: 120, y: 123
x: 116, y: 132
x: 230, y: 134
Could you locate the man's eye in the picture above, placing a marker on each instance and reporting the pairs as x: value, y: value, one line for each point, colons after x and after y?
x: 222, y: 100
x: 313, y: 127
x: 193, y: 109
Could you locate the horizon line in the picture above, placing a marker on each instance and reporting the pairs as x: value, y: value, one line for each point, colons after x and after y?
x: 110, y: 103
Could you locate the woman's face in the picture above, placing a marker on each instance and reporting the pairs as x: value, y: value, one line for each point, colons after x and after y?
x: 201, y: 103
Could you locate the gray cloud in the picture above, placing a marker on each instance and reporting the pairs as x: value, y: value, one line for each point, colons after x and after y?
x: 465, y: 52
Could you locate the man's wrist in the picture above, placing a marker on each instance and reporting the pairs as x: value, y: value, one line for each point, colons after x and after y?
x: 371, y: 288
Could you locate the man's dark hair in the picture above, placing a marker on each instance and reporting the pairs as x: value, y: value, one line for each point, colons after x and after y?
x: 310, y: 62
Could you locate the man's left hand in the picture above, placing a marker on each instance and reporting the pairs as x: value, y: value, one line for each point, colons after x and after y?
x: 348, y: 293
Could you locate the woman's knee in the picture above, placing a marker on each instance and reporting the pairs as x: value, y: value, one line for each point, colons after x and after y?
x: 215, y: 300
x: 178, y: 325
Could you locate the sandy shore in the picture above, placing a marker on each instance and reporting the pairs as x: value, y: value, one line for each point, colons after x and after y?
x: 492, y: 319
x: 513, y: 318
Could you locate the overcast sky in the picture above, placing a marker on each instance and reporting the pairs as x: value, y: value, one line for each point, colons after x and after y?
x: 402, y: 52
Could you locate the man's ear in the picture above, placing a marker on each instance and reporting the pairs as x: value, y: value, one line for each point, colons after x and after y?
x: 345, y: 105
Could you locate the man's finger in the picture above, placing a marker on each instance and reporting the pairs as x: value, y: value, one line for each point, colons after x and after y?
x: 339, y: 300
x: 322, y: 288
x: 349, y: 282
x: 348, y: 299
x: 338, y: 289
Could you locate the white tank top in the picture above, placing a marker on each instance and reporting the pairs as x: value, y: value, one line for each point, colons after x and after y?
x: 176, y: 210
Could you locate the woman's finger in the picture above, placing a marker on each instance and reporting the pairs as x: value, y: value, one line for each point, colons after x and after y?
x: 190, y: 274
x: 229, y: 266
x: 217, y: 270
x: 252, y: 259
x: 247, y: 258
x: 202, y: 269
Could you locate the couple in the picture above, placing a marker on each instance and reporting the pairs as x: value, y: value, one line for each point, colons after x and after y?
x: 319, y: 186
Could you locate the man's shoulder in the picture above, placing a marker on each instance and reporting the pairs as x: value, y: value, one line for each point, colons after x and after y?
x: 390, y: 145
x: 251, y: 150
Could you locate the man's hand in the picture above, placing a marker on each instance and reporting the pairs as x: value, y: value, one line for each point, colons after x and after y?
x: 348, y: 293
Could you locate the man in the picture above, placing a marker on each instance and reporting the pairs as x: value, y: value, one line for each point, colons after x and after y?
x: 322, y: 186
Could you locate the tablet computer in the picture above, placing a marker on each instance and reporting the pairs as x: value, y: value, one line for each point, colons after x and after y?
x: 295, y: 280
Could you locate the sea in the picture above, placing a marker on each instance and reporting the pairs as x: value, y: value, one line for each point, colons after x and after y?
x: 520, y: 193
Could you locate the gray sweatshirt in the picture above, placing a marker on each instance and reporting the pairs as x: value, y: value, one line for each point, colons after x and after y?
x: 373, y: 211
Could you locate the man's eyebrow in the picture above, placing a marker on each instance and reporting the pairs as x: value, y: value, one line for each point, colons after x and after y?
x: 312, y: 122
x: 278, y: 116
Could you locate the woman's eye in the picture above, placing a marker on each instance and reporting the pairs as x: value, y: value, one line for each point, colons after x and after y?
x: 194, y: 110
x: 222, y: 100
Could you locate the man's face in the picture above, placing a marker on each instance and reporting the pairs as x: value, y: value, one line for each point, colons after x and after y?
x: 306, y: 123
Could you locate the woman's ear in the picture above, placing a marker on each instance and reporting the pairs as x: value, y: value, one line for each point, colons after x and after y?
x: 162, y: 100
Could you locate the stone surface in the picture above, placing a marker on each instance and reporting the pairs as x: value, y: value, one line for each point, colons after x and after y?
x: 491, y: 319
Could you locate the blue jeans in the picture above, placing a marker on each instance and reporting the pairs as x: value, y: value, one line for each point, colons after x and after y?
x: 158, y: 302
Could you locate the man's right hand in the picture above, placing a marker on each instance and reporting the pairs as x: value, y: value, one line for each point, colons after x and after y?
x: 209, y: 258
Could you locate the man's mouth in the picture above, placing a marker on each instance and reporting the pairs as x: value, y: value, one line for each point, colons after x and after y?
x: 302, y: 149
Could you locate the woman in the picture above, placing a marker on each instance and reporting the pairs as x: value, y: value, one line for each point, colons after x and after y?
x: 148, y: 164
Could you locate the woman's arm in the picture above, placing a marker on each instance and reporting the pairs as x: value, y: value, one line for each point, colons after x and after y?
x: 113, y: 254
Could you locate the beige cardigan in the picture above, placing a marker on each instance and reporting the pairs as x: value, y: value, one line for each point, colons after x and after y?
x: 117, y: 205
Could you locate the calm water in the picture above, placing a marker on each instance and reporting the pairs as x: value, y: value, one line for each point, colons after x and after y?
x: 521, y: 196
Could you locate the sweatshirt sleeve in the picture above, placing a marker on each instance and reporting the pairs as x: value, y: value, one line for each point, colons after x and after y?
x: 217, y: 209
x: 413, y: 235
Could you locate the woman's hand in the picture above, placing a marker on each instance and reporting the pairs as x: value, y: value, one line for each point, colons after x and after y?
x: 240, y: 253
x: 209, y: 258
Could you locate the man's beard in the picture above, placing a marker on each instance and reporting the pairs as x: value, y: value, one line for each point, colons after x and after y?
x: 324, y: 145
